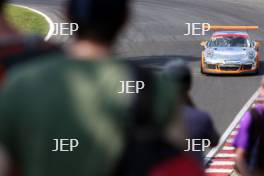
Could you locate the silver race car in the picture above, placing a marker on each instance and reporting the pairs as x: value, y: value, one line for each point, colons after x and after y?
x: 230, y: 52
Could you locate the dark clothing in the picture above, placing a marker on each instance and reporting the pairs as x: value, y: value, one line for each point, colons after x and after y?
x: 64, y: 98
x: 157, y: 158
x: 199, y: 126
x: 15, y: 51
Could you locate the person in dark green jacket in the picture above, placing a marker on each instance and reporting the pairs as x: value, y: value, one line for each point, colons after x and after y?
x: 64, y: 114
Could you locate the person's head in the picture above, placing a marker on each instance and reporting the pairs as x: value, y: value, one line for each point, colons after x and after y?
x: 99, y: 20
x: 180, y: 74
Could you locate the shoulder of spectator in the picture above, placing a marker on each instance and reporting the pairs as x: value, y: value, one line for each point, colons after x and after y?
x: 202, y: 114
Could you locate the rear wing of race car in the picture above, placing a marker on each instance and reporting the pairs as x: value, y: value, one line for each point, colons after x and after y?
x: 230, y: 28
x: 236, y: 28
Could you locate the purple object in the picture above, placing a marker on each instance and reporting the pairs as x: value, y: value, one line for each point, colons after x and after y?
x: 241, y: 140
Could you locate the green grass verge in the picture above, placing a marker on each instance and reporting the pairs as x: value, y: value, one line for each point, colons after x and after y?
x: 26, y: 21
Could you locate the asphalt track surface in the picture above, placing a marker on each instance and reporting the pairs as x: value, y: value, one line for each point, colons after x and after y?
x: 155, y: 35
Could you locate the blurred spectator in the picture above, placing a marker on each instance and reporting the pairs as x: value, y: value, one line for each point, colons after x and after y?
x: 17, y: 48
x: 249, y: 142
x: 148, y: 153
x: 75, y: 96
x: 180, y: 74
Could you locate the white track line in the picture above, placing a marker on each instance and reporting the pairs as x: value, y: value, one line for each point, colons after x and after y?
x: 225, y: 155
x: 225, y: 171
x: 233, y: 125
x: 223, y: 163
x: 260, y: 99
x: 228, y: 148
x: 51, y: 24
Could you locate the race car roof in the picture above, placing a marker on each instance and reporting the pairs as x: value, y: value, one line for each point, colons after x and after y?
x: 231, y: 34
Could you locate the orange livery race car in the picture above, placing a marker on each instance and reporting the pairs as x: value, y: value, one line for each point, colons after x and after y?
x: 230, y: 51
